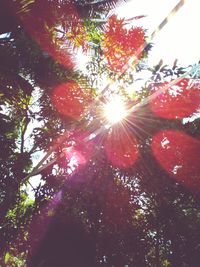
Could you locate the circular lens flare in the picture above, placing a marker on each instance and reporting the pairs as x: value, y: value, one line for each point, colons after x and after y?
x: 115, y: 110
x: 178, y: 153
x: 121, y: 148
x: 179, y: 101
x: 70, y: 99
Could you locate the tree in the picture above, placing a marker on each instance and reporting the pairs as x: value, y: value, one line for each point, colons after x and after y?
x: 107, y: 196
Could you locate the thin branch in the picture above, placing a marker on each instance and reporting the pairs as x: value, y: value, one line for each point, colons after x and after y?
x: 24, y: 128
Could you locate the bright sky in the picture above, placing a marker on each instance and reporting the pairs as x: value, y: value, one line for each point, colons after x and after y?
x: 178, y: 39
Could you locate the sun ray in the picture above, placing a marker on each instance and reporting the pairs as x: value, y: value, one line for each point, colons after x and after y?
x: 136, y: 126
x: 146, y: 118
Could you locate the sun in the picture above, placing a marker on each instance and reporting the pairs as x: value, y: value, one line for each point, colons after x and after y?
x: 115, y: 110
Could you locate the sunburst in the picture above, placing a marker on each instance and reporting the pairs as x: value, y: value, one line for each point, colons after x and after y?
x: 115, y: 110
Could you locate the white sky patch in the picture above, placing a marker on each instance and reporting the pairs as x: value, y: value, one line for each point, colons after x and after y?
x: 165, y: 143
x: 34, y: 182
x: 73, y: 164
x: 5, y: 35
x: 192, y: 118
x: 179, y: 39
x: 34, y: 123
x: 91, y: 136
x: 81, y: 60
x: 176, y: 168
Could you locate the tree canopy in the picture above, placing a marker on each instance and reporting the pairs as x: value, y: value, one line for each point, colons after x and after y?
x: 80, y: 186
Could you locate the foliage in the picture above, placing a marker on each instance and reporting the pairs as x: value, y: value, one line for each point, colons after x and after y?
x: 122, y: 45
x: 105, y: 197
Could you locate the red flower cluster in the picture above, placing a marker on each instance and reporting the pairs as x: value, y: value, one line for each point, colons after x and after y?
x: 120, y: 44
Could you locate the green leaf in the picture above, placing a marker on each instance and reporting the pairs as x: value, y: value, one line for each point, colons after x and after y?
x: 6, y: 257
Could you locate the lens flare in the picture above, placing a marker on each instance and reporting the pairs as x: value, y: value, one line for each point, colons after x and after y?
x: 121, y: 148
x: 178, y: 153
x: 70, y: 99
x: 179, y: 101
x: 115, y: 110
